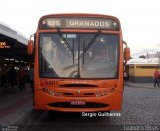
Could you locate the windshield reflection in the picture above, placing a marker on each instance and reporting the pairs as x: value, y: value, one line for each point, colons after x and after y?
x: 78, y: 55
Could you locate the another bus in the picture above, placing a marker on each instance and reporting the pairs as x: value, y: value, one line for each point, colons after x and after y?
x: 78, y: 63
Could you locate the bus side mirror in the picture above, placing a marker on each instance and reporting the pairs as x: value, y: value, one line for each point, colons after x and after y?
x: 127, y: 54
x: 30, y: 47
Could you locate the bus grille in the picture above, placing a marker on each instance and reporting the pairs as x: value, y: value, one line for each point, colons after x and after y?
x: 68, y: 105
x: 78, y: 85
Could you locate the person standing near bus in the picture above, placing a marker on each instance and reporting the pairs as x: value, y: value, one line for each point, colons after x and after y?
x: 21, y: 78
x: 31, y: 77
x: 156, y: 77
x: 12, y: 76
x: 125, y: 75
x: 3, y: 80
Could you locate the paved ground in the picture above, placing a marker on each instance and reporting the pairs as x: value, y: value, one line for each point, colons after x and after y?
x: 14, y: 104
x: 141, y: 104
x: 141, y: 85
x: 140, y: 109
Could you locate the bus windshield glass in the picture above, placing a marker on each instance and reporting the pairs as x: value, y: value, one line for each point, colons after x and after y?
x: 78, y: 55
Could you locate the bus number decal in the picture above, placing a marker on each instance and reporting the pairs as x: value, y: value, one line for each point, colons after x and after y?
x: 50, y: 83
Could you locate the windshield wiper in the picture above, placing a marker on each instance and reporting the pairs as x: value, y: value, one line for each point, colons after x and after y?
x: 92, y: 41
x: 66, y: 42
x: 64, y: 39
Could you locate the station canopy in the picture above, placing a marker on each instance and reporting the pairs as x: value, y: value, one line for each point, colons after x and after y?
x: 13, y: 45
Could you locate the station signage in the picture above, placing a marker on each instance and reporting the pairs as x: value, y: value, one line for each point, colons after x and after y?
x: 80, y: 23
x: 4, y: 45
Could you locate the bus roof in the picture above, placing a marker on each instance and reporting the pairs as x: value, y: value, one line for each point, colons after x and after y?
x: 79, y: 15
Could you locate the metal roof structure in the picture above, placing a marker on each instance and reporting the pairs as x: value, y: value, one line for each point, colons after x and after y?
x: 148, y: 59
x: 144, y: 61
x: 8, y: 31
x: 13, y: 44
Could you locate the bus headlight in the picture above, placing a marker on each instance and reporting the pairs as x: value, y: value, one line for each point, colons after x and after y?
x: 59, y: 94
x: 98, y: 94
x: 51, y: 93
x: 104, y: 93
x: 45, y: 90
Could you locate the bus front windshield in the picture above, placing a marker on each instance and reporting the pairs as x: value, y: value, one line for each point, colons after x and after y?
x: 78, y: 55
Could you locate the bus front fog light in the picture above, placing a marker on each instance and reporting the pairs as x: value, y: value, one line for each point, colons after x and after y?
x: 59, y: 94
x: 45, y: 90
x: 112, y: 89
x: 51, y: 93
x: 105, y: 93
x: 98, y: 94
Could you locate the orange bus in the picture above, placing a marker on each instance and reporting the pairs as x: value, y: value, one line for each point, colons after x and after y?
x: 78, y: 63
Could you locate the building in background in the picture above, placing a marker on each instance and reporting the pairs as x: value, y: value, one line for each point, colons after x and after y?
x: 141, y: 69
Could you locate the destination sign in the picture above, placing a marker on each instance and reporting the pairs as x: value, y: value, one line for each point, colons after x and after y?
x: 80, y: 23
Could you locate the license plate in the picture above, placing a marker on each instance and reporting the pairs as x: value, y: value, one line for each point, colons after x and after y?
x: 78, y: 102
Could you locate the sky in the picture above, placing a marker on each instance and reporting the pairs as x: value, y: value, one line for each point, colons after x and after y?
x: 140, y: 19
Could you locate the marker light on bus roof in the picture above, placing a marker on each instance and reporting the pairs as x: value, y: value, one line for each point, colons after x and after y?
x: 114, y: 24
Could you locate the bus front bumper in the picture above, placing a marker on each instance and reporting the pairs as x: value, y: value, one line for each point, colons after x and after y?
x: 112, y: 101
